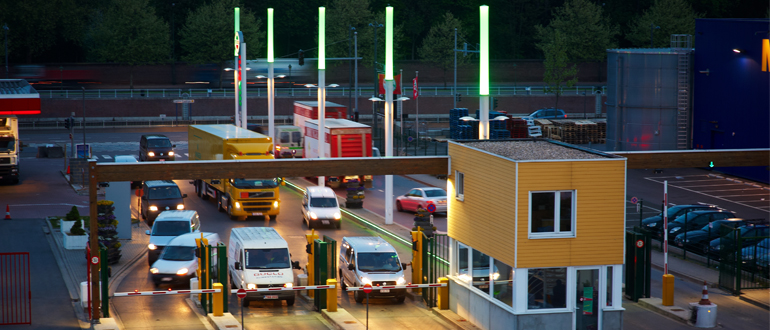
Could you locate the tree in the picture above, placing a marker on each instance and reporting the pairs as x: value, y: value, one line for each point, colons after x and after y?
x: 438, y: 46
x: 673, y: 17
x: 208, y: 36
x: 129, y: 32
x: 557, y: 72
x: 588, y: 33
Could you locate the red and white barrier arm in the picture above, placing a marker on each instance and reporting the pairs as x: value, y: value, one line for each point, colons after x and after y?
x: 155, y: 293
x: 294, y: 288
x: 409, y: 286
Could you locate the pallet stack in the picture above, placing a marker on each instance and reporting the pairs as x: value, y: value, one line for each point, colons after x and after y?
x: 517, y: 127
x: 577, y: 131
x: 458, y: 129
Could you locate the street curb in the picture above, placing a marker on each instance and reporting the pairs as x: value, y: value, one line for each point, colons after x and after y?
x: 760, y: 304
x: 689, y: 278
x: 647, y: 304
x: 467, y: 325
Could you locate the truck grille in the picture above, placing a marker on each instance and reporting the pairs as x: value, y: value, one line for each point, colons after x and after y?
x: 261, y: 194
x: 257, y: 203
x: 5, y: 160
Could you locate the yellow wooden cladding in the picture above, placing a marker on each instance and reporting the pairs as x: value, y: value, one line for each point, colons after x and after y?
x: 486, y: 221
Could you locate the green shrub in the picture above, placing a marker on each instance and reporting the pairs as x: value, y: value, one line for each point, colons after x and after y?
x: 77, y: 228
x: 73, y: 215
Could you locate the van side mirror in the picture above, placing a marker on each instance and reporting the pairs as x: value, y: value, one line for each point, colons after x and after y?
x: 146, y: 232
x: 173, y: 145
x: 184, y: 195
x: 215, y: 181
x: 351, y: 266
x: 403, y: 266
x: 295, y: 265
x: 237, y: 265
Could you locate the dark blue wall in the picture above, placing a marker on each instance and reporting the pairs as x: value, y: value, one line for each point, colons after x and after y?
x: 731, y: 105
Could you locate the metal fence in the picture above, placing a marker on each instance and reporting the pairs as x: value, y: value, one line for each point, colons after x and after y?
x: 15, y: 289
x: 742, y: 263
x: 435, y: 264
x: 198, y: 93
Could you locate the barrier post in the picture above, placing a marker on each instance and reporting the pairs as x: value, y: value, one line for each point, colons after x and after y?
x: 310, y: 264
x: 331, y: 296
x: 417, y: 258
x: 222, y: 274
x: 218, y: 305
x: 668, y: 290
x: 443, y: 294
x: 105, y: 280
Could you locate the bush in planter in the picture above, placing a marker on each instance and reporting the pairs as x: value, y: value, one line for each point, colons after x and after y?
x: 73, y: 215
x: 108, y: 234
x: 77, y: 228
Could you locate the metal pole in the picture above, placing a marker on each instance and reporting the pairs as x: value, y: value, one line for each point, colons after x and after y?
x: 243, y: 325
x: 271, y: 102
x: 652, y: 29
x: 321, y: 119
x: 84, y: 125
x: 173, y: 64
x: 684, y: 248
x: 5, y: 28
x: 417, y: 110
x: 401, y: 111
x: 355, y: 43
x: 367, y: 310
x: 72, y: 136
x: 244, y: 83
x: 350, y: 69
x: 665, y: 227
x: 388, y: 151
x: 454, y: 90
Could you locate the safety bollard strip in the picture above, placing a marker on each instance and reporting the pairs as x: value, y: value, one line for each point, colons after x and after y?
x: 294, y: 288
x: 408, y: 286
x: 151, y: 293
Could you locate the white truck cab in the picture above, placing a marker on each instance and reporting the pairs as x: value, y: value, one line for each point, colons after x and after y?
x: 177, y: 262
x: 371, y: 260
x: 258, y: 257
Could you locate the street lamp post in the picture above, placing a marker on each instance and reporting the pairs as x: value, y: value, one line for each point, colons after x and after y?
x: 5, y: 29
x: 375, y: 25
x: 652, y: 30
x: 585, y: 116
x: 355, y: 43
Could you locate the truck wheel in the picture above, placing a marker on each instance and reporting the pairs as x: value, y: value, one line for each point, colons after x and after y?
x: 338, y: 224
x: 400, y: 300
x: 358, y: 296
x: 198, y: 189
x: 245, y: 302
x: 309, y: 225
x: 290, y: 302
x: 220, y: 207
x: 398, y: 207
x: 203, y: 194
x: 230, y: 211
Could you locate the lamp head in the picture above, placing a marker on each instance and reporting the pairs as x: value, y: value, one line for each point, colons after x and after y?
x: 738, y: 50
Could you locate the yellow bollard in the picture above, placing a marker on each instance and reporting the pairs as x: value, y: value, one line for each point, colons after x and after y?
x: 218, y: 306
x: 417, y: 259
x: 310, y: 264
x: 331, y: 296
x: 443, y: 294
x: 668, y: 290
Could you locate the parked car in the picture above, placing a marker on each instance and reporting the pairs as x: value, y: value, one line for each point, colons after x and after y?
x: 157, y: 196
x: 748, y: 234
x: 421, y: 198
x: 156, y: 147
x: 128, y: 159
x: 757, y: 257
x: 699, y: 239
x: 549, y: 113
x: 695, y: 220
x: 655, y: 223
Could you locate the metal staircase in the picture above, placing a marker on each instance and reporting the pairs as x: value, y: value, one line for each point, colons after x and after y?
x: 680, y: 43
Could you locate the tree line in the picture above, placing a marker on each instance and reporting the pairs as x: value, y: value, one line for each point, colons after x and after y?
x: 135, y: 32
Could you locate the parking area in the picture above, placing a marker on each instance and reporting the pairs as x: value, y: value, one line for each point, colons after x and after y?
x: 745, y: 193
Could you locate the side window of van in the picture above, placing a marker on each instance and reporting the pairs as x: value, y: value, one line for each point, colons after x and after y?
x: 304, y: 199
x: 196, y: 223
x: 344, y: 251
x: 351, y: 257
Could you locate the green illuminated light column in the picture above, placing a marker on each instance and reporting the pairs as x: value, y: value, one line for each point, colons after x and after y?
x: 388, y: 110
x: 321, y: 87
x: 484, y: 77
x: 236, y: 82
x: 270, y: 78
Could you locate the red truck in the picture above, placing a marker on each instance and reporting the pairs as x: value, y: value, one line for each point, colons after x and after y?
x: 307, y: 110
x: 343, y: 138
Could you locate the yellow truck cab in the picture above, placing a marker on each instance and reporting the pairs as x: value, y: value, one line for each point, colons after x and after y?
x: 239, y: 197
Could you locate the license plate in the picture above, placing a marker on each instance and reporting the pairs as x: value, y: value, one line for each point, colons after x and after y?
x: 166, y: 279
x: 484, y: 286
x: 326, y: 222
x: 271, y: 297
x: 162, y: 160
x: 385, y: 290
x: 256, y: 213
x: 680, y: 244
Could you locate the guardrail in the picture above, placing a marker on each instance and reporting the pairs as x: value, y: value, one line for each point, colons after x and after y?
x: 197, y: 93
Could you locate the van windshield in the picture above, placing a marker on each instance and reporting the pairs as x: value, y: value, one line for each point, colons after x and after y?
x: 323, y: 202
x: 267, y: 258
x: 254, y: 183
x: 170, y: 228
x: 164, y: 193
x: 158, y: 143
x: 178, y: 253
x: 378, y: 262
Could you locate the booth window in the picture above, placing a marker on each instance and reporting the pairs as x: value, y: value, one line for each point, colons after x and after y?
x: 502, y: 279
x: 547, y: 288
x: 552, y: 214
x: 609, y: 286
x: 459, y: 185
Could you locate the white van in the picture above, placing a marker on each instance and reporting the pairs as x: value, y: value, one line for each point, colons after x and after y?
x: 167, y: 225
x: 320, y: 207
x: 374, y: 261
x: 258, y: 257
x: 177, y: 262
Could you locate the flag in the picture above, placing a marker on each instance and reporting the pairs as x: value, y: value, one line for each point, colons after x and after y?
x: 396, y: 82
x: 414, y: 88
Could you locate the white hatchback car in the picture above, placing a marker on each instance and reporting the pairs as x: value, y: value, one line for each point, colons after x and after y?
x: 422, y: 197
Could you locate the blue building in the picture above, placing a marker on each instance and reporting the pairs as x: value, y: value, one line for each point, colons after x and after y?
x: 731, y: 103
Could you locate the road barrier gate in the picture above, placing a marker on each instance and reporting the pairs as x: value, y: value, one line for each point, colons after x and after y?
x: 325, y: 267
x: 638, y: 263
x: 15, y: 289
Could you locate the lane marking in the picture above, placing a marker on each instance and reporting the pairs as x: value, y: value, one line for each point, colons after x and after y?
x: 717, y: 197
x: 106, y: 156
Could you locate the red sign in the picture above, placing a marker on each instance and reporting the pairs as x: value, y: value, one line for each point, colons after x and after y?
x: 367, y: 288
x: 241, y: 293
x: 95, y: 260
x: 414, y: 87
x: 396, y: 78
x: 640, y: 244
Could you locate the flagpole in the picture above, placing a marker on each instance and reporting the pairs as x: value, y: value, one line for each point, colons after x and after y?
x: 417, y: 107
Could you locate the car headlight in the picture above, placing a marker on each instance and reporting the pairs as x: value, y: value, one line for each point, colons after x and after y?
x: 400, y: 281
x: 151, y: 154
x: 651, y: 224
x: 675, y: 229
x: 251, y: 286
x: 170, y: 153
x: 337, y: 216
x: 288, y: 285
x: 237, y: 205
x: 313, y: 216
x: 495, y: 276
x: 182, y: 271
x: 365, y: 280
x: 153, y: 208
x: 153, y: 270
x: 275, y: 204
x: 151, y: 246
x: 180, y: 207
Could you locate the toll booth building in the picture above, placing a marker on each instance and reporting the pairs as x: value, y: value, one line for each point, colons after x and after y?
x: 537, y: 233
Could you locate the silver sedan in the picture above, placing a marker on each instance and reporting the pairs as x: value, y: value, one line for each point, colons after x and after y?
x: 422, y: 197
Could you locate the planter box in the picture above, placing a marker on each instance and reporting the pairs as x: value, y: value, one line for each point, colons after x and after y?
x: 64, y: 225
x: 74, y: 242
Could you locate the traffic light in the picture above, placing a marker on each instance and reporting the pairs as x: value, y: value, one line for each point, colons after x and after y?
x: 494, y: 103
x: 66, y: 123
x: 459, y: 98
x: 301, y: 56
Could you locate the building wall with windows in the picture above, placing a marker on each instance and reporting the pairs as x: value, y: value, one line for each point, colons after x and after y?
x: 537, y: 231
